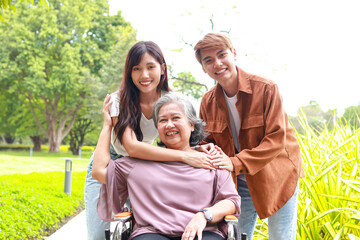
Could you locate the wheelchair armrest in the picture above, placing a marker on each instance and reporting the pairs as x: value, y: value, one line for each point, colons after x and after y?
x: 231, y: 220
x: 123, y: 217
x: 123, y: 227
x: 233, y: 232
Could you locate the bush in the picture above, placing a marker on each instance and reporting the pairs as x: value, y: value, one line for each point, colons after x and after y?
x: 87, y: 148
x: 63, y: 148
x: 23, y: 147
x: 15, y: 147
x: 34, y: 203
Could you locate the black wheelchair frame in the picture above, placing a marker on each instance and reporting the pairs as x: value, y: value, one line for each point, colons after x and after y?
x: 124, y: 225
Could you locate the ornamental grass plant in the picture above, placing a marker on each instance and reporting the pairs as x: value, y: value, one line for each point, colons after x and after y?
x: 329, y: 196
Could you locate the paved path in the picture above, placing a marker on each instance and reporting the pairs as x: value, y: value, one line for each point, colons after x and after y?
x: 73, y: 229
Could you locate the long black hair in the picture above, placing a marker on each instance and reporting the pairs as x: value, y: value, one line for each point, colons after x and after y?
x: 130, y: 110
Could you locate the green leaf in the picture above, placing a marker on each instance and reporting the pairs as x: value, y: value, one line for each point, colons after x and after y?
x: 341, y: 197
x: 12, y: 7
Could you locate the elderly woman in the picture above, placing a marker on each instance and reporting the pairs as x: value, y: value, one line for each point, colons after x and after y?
x: 170, y: 200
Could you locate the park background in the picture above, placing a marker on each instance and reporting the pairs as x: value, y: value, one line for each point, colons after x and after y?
x: 59, y: 59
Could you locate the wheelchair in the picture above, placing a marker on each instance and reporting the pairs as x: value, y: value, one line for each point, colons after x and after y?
x: 124, y: 225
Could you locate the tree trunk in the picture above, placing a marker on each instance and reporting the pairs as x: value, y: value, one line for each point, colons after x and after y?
x: 37, y: 143
x: 74, y: 142
x: 54, y: 146
x: 74, y: 150
x: 54, y: 141
x: 9, y: 139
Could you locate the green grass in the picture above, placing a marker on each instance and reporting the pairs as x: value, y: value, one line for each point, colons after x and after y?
x: 32, y: 198
x: 34, y: 203
x: 21, y: 162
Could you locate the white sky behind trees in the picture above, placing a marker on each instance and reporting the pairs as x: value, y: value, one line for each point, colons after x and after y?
x: 310, y: 48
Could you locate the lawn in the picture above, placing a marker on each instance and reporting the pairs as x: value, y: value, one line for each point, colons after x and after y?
x: 32, y: 198
x: 21, y: 162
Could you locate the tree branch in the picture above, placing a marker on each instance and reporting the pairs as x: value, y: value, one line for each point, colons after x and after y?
x: 68, y: 128
x: 212, y: 23
x: 187, y: 43
x: 56, y: 102
x: 187, y: 81
x: 29, y: 96
x: 34, y: 114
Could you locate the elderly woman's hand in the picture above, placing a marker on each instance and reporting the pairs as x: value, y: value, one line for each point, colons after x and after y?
x: 221, y: 160
x: 106, y: 112
x: 195, y: 227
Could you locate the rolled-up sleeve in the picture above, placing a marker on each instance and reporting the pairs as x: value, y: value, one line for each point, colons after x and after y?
x: 114, y: 108
x: 225, y: 189
x: 114, y: 193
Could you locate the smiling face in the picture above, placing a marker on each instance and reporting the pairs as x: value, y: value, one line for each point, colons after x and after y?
x: 219, y: 64
x: 174, y: 127
x: 146, y: 75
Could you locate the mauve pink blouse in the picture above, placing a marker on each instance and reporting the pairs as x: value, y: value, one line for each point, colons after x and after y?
x: 164, y: 195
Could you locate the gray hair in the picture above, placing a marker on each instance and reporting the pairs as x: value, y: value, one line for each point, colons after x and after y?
x: 198, y: 134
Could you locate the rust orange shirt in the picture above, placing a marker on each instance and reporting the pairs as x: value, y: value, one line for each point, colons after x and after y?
x: 270, y: 154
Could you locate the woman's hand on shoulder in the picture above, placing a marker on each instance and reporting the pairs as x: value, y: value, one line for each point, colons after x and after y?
x: 195, y: 227
x: 106, y: 112
x: 198, y: 160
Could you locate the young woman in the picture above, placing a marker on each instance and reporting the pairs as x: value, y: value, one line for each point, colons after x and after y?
x: 145, y: 80
x: 168, y: 200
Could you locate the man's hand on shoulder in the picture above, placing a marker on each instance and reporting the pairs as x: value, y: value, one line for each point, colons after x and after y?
x: 221, y: 160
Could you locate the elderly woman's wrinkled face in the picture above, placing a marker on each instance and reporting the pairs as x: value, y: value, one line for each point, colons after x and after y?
x: 174, y: 127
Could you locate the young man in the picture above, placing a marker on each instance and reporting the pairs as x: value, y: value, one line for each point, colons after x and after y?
x: 245, y: 118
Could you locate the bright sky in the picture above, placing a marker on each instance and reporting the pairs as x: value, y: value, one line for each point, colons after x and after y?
x: 310, y: 48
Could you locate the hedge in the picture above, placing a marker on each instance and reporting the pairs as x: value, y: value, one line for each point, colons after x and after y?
x: 26, y: 147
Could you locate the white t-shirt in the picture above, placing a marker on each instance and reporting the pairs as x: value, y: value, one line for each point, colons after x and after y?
x: 234, y: 124
x: 147, y: 126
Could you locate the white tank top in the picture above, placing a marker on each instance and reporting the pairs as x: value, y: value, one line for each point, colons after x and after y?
x: 147, y: 126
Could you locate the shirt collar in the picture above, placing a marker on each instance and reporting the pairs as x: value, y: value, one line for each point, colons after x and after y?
x: 243, y: 82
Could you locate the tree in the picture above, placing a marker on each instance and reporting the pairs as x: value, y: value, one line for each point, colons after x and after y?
x: 5, y: 4
x: 185, y: 83
x: 26, y: 126
x: 54, y: 57
x: 316, y: 118
x: 77, y: 134
x: 352, y: 116
x: 314, y: 115
x: 90, y: 118
x: 8, y: 107
x: 16, y: 120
